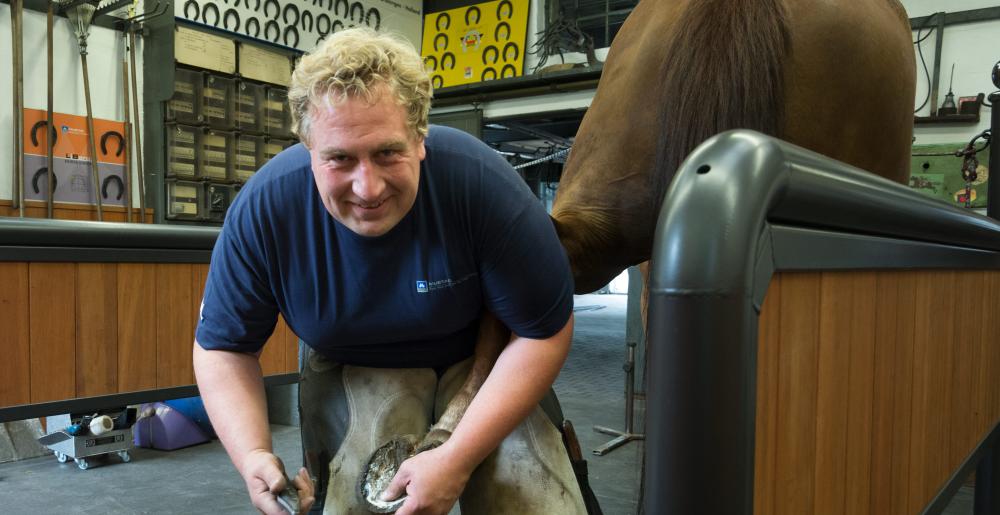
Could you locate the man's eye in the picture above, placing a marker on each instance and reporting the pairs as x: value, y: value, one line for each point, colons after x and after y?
x: 386, y: 153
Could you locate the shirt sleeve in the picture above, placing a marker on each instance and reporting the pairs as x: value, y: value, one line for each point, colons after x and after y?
x: 524, y: 270
x: 238, y: 311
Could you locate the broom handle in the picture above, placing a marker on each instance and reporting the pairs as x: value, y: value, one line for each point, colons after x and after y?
x: 128, y: 143
x: 137, y: 128
x: 92, y: 146
x: 17, y: 59
x: 50, y: 201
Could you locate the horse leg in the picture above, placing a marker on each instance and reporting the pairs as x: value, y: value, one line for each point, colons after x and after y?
x: 493, y: 337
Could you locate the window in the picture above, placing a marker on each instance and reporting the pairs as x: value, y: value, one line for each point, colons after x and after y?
x: 600, y: 19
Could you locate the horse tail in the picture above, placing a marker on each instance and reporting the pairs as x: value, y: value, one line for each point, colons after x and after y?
x: 723, y: 70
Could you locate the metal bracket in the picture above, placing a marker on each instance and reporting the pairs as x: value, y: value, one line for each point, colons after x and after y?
x: 629, y: 434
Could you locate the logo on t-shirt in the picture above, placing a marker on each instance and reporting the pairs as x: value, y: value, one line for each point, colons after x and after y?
x: 429, y: 286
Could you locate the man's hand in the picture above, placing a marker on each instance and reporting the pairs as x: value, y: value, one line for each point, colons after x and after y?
x: 432, y: 480
x: 264, y: 475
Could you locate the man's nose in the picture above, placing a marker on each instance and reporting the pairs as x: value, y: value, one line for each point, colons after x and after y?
x: 368, y: 182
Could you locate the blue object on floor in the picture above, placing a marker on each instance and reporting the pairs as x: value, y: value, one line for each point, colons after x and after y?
x: 194, y: 409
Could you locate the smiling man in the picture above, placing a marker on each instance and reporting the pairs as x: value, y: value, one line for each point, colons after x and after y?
x: 386, y: 244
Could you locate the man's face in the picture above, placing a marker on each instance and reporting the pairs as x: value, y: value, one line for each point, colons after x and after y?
x: 366, y: 162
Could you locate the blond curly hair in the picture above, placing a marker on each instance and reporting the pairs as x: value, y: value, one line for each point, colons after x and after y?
x: 352, y: 64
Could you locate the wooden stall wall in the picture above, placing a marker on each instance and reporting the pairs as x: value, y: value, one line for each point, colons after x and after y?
x: 872, y: 387
x: 62, y: 211
x: 83, y: 329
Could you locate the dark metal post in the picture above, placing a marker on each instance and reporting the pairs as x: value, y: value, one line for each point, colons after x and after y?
x: 987, y: 496
x: 17, y: 59
x: 137, y: 128
x: 49, y: 118
x: 935, y: 81
x: 993, y: 193
x: 701, y: 403
x: 629, y: 434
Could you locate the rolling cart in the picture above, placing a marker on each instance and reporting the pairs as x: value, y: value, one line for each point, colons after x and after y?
x: 70, y: 438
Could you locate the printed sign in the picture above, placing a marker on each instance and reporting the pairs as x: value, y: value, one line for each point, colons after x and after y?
x: 476, y: 43
x: 264, y: 65
x: 73, y: 175
x: 203, y: 50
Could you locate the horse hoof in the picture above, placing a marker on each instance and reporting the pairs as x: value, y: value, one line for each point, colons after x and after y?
x: 381, y: 468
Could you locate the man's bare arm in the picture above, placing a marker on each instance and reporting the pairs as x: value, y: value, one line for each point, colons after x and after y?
x: 232, y: 387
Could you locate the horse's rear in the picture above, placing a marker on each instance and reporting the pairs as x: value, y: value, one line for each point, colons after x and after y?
x: 834, y: 76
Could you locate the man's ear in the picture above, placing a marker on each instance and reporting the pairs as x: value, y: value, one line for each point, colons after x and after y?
x: 421, y: 149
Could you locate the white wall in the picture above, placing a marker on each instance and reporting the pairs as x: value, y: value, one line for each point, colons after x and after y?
x: 105, y: 52
x: 973, y: 48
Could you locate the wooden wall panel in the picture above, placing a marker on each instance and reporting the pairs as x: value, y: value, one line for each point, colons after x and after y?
x: 174, y: 325
x: 892, y: 393
x: 96, y: 329
x: 291, y: 347
x: 979, y: 367
x: 990, y: 364
x: 72, y: 212
x: 860, y: 391
x: 272, y: 357
x: 931, y: 375
x: 52, y: 328
x: 902, y: 368
x: 966, y: 329
x: 15, y: 366
x: 795, y: 457
x: 835, y: 327
x: 137, y: 319
x: 199, y: 274
x: 768, y: 353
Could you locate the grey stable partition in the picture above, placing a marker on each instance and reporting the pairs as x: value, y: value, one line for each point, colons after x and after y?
x: 742, y: 207
x: 30, y: 240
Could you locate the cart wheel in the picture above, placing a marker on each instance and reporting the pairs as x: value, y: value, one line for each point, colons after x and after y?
x: 82, y: 463
x: 124, y: 455
x: 60, y: 457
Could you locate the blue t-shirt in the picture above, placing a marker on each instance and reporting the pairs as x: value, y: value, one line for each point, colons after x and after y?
x: 476, y: 238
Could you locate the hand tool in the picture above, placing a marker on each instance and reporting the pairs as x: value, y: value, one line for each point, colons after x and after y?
x: 50, y: 139
x: 16, y: 28
x: 80, y: 16
x: 137, y: 128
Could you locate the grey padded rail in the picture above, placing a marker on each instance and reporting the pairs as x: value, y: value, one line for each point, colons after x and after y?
x: 737, y: 205
x: 102, y: 242
x: 69, y: 233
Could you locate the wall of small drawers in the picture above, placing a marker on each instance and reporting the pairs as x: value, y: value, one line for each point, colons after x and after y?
x: 219, y: 131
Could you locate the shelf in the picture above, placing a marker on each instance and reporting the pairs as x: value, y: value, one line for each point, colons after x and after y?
x: 952, y: 118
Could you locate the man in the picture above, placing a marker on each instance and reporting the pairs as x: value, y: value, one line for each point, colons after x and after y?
x: 383, y: 242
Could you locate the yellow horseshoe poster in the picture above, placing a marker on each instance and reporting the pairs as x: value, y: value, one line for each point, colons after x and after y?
x: 475, y: 43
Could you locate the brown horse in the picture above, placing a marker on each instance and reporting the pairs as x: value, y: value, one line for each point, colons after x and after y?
x: 833, y: 76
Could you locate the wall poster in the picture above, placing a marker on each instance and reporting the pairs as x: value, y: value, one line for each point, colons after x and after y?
x: 476, y: 43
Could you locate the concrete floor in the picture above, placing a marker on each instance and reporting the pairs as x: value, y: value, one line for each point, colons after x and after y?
x: 200, y: 479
